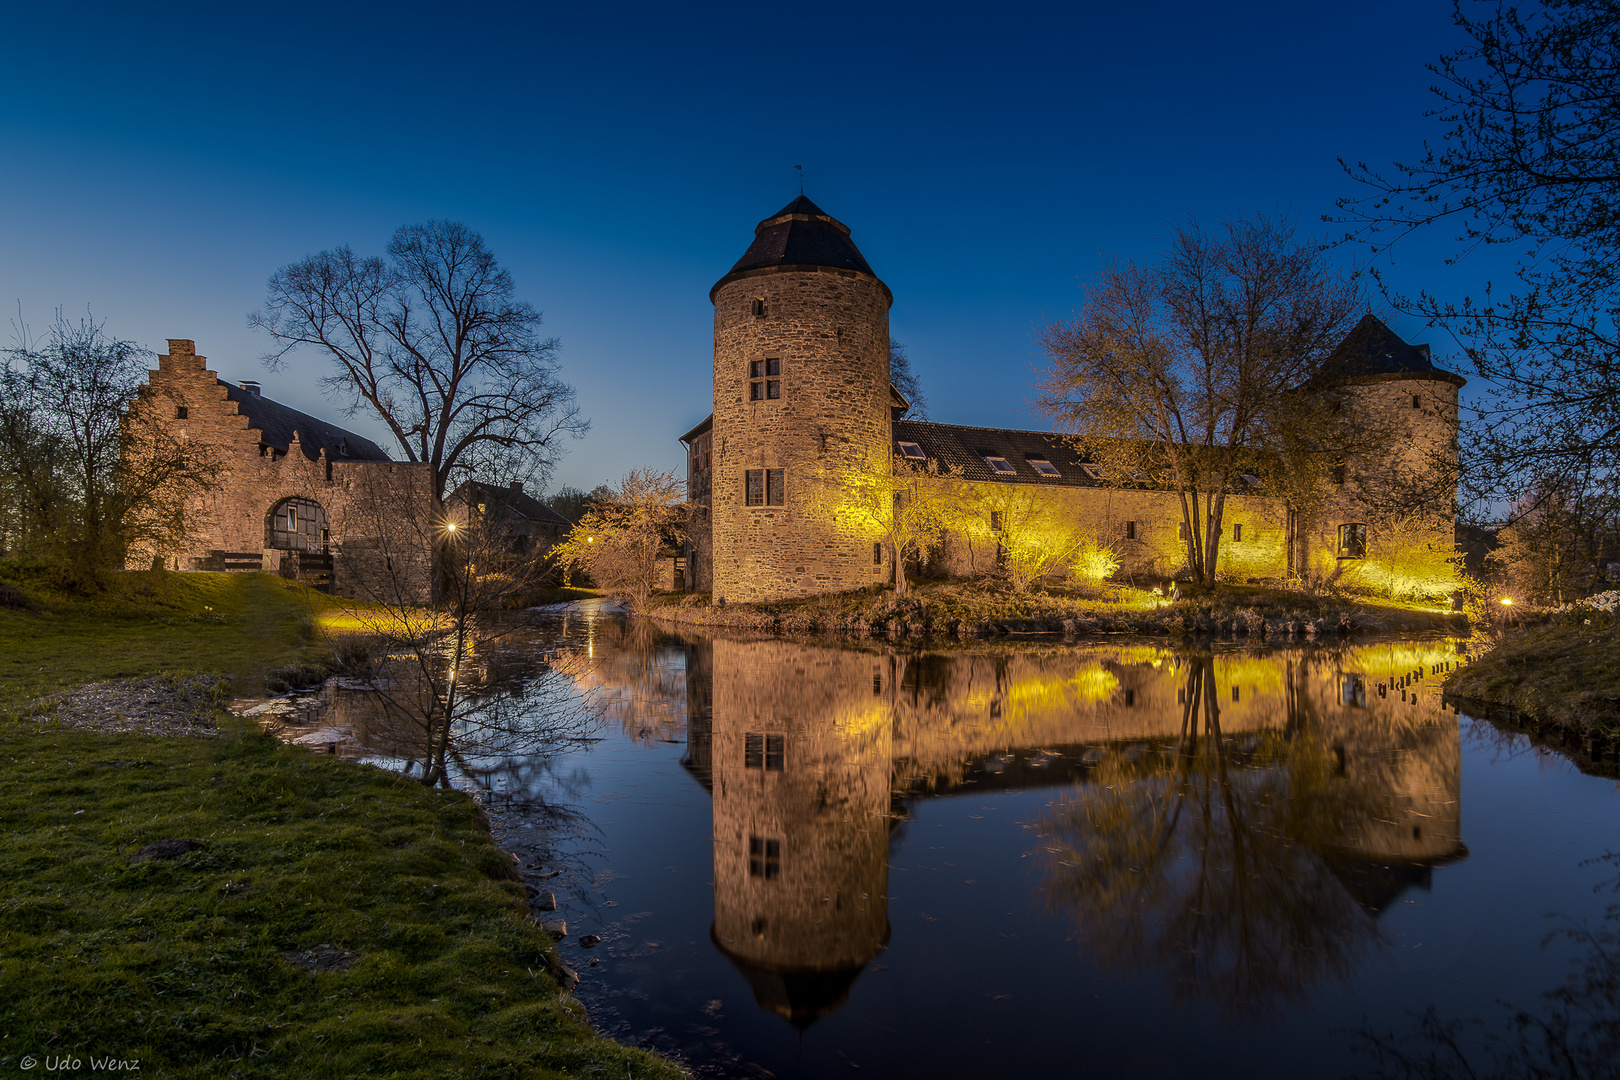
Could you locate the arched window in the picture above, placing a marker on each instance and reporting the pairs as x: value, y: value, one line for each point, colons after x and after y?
x: 296, y: 524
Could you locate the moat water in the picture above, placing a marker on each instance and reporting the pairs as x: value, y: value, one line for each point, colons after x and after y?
x: 812, y: 859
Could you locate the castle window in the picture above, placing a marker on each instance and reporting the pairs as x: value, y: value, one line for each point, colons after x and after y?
x: 1417, y: 401
x: 999, y: 464
x: 877, y: 553
x: 1338, y: 474
x: 913, y: 451
x: 343, y: 447
x: 1353, y: 541
x: 1041, y: 465
x: 181, y: 412
x: 766, y: 487
x: 1237, y: 533
x: 765, y: 752
x: 759, y: 307
x: 1130, y: 530
x: 1093, y: 471
x: 764, y: 384
x: 1235, y: 694
x: 292, y: 519
x: 764, y: 858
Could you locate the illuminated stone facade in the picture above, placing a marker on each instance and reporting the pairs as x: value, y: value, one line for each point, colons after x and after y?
x: 803, y: 401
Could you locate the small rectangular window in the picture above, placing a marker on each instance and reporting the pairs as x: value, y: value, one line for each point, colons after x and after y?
x: 773, y: 390
x: 877, y: 553
x: 182, y: 413
x: 999, y: 464
x: 756, y: 391
x: 1093, y: 471
x: 775, y: 487
x: 1041, y: 465
x: 1417, y: 401
x: 292, y: 519
x: 1130, y: 530
x: 913, y: 451
x: 1235, y: 693
x: 1130, y: 698
x: 1353, y: 541
x: 753, y: 751
x: 773, y: 366
x: 764, y: 858
x: 1237, y: 532
x: 775, y: 752
x: 759, y: 307
x: 755, y: 488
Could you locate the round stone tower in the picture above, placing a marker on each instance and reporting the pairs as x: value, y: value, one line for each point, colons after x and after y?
x: 802, y: 403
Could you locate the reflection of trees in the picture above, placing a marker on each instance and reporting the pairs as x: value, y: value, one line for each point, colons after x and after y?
x: 1574, y: 1035
x: 1205, y: 858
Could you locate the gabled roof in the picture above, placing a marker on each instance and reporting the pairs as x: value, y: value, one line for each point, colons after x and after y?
x: 800, y: 236
x: 516, y: 502
x: 1372, y: 351
x: 276, y: 423
x: 967, y: 447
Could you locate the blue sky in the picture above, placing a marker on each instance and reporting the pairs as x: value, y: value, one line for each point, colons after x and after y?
x: 162, y: 161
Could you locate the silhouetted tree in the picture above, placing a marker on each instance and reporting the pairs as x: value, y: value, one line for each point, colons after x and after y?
x: 1528, y: 157
x: 905, y: 381
x: 431, y: 341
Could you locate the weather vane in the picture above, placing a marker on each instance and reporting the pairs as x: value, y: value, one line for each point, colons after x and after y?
x: 800, y: 170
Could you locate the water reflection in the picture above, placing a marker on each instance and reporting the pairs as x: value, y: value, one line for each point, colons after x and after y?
x: 1236, y: 820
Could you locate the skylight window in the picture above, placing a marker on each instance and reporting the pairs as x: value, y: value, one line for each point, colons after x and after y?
x: 1133, y: 473
x: 1041, y: 465
x: 1093, y: 471
x: 1253, y: 480
x: 913, y: 451
x: 1000, y: 465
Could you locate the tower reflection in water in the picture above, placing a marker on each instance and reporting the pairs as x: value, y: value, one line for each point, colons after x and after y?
x: 1235, y: 821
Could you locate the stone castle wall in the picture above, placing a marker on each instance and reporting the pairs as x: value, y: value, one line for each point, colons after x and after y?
x: 378, y: 515
x: 830, y: 331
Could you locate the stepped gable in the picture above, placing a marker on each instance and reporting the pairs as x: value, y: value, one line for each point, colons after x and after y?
x: 518, y: 502
x: 276, y: 424
x: 800, y: 236
x: 1374, y: 352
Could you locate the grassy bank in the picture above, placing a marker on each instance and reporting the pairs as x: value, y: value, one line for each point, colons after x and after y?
x: 976, y: 609
x: 1562, y: 676
x: 332, y: 920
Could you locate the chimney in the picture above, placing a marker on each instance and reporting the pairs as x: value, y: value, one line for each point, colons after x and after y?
x: 182, y: 347
x: 250, y: 386
x: 517, y: 487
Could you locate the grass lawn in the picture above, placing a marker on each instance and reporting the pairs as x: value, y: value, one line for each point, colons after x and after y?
x: 337, y: 920
x: 1565, y: 673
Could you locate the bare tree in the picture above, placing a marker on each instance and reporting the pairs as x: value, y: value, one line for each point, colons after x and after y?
x: 88, y: 471
x: 909, y: 505
x: 1529, y: 158
x: 622, y: 535
x: 905, y: 380
x: 432, y: 342
x: 453, y: 676
x: 1192, y: 364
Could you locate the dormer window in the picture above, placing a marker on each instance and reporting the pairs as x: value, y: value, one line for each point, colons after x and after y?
x: 1253, y: 480
x: 999, y: 465
x: 912, y: 451
x: 1131, y: 472
x: 343, y: 447
x: 1041, y: 466
x: 764, y: 379
x: 1093, y: 471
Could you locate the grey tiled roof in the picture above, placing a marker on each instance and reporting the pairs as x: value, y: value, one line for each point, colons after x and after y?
x: 276, y: 423
x: 519, y: 502
x: 800, y: 234
x: 1373, y: 349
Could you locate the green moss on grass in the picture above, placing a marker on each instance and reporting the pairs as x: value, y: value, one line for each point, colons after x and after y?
x: 1565, y: 673
x: 192, y: 965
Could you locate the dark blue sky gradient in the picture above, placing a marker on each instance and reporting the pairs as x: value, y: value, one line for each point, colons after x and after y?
x: 159, y: 165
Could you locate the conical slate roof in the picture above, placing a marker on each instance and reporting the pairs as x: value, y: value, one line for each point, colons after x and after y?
x: 1374, y: 350
x: 799, y: 236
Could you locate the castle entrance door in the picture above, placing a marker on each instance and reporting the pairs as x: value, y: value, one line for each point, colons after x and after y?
x: 298, y: 527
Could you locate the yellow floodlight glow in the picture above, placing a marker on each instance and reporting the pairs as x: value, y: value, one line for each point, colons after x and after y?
x: 1507, y: 601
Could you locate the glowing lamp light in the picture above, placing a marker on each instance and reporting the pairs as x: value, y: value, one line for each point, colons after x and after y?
x: 590, y: 539
x: 450, y: 526
x: 1507, y: 601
